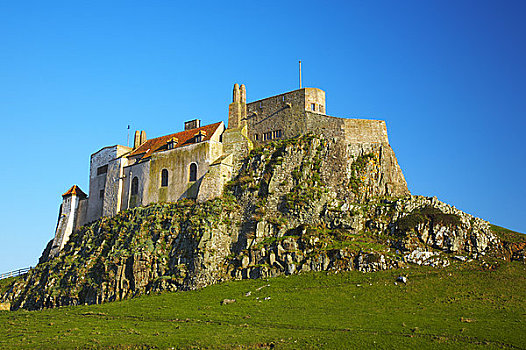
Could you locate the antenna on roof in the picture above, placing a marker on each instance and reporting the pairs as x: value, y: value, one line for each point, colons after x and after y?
x: 128, y: 139
x: 300, y: 74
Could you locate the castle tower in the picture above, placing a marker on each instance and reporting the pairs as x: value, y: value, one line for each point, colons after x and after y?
x: 72, y: 209
x: 237, y: 110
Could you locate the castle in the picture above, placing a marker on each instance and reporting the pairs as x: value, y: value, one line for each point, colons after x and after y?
x: 197, y: 162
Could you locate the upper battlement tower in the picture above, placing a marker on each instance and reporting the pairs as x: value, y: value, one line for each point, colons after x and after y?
x: 237, y: 110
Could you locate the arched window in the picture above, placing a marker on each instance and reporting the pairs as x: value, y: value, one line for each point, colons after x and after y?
x: 164, y: 178
x: 135, y: 186
x: 193, y: 172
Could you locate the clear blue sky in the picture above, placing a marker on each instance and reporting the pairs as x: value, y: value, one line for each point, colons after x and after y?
x: 447, y: 76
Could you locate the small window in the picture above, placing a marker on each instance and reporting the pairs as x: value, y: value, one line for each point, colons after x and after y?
x: 102, y: 169
x: 200, y: 136
x: 256, y: 137
x: 322, y: 109
x: 164, y: 178
x: 172, y: 143
x: 135, y: 186
x: 101, y: 194
x: 193, y: 172
x: 313, y: 106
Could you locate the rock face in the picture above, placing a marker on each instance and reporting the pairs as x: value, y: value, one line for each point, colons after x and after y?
x: 306, y: 204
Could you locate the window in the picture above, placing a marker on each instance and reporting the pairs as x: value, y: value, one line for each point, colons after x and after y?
x: 135, y: 186
x: 313, y: 106
x: 164, y: 178
x: 172, y: 143
x: 199, y: 137
x: 322, y: 109
x: 256, y: 137
x: 101, y: 194
x: 193, y: 172
x: 102, y: 169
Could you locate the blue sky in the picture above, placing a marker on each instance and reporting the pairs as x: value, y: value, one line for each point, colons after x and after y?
x: 448, y: 77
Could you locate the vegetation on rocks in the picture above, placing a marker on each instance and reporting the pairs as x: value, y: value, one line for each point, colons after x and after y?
x: 296, y: 206
x: 427, y: 215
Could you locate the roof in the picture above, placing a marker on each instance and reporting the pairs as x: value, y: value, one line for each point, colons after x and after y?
x: 184, y: 138
x: 75, y: 191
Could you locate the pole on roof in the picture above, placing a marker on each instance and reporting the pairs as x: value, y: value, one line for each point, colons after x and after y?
x: 300, y: 74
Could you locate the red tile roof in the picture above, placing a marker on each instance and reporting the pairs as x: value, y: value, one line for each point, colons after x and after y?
x: 75, y: 191
x: 184, y: 138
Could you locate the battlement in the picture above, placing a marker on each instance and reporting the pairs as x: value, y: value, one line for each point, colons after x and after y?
x: 306, y: 99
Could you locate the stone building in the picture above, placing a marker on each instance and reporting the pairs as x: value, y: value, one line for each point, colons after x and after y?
x: 198, y: 161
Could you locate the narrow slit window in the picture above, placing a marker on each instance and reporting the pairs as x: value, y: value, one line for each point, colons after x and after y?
x: 135, y: 186
x: 313, y: 106
x: 164, y: 178
x: 102, y: 169
x: 193, y: 172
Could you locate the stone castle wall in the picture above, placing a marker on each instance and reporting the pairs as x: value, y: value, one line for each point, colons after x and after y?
x: 302, y: 111
x: 282, y: 113
x: 107, y: 181
x: 142, y: 172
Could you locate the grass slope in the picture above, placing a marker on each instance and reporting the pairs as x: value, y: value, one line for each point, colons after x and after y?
x: 457, y: 307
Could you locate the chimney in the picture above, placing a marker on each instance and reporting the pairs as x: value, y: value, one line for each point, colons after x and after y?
x: 139, y: 138
x: 192, y: 124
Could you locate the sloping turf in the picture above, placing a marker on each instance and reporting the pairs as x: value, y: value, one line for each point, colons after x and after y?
x: 457, y: 307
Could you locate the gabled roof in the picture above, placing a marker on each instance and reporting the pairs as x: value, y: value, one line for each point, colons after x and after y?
x: 75, y: 191
x: 184, y: 138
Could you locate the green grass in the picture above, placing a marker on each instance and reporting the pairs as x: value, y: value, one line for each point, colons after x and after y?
x: 507, y: 235
x: 457, y: 307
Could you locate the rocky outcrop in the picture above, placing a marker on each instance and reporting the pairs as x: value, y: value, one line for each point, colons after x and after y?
x: 305, y: 204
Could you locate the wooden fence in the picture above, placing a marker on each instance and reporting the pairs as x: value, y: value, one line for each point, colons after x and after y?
x: 15, y: 273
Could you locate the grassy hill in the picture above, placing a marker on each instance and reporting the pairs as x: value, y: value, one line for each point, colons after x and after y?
x: 464, y: 305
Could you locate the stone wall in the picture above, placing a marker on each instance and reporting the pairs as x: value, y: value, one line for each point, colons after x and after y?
x: 213, y: 182
x: 365, y: 130
x: 142, y: 172
x: 82, y: 212
x: 97, y: 182
x: 67, y: 221
x: 284, y: 113
x: 177, y: 162
x: 113, y: 187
